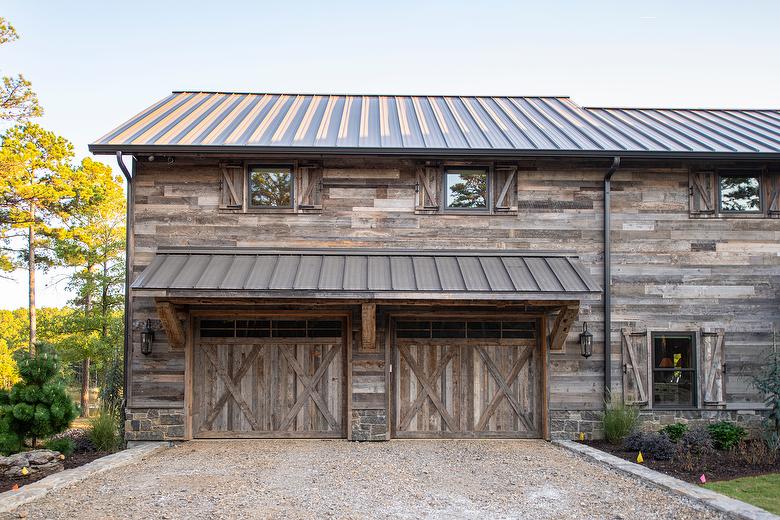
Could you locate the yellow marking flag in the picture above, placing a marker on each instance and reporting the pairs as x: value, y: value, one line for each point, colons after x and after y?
x: 582, y: 436
x: 639, y: 458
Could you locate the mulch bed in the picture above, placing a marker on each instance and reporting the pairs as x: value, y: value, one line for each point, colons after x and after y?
x: 84, y: 453
x: 721, y: 465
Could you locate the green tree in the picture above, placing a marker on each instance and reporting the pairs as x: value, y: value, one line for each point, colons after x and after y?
x: 17, y: 99
x: 38, y: 188
x: 93, y: 243
x: 37, y: 406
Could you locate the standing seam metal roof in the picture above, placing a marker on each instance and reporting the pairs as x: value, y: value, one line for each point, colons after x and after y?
x: 367, y: 271
x: 444, y: 123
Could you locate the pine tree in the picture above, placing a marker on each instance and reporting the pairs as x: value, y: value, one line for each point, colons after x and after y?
x: 37, y: 406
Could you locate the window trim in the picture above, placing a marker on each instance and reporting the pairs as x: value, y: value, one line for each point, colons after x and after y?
x: 248, y: 180
x: 488, y: 209
x: 740, y: 172
x: 694, y: 336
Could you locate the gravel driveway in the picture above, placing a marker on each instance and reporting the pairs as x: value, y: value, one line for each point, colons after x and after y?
x: 339, y: 479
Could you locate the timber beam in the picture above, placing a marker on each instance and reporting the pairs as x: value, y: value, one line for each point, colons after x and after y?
x: 172, y: 324
x: 563, y: 322
x: 368, y: 326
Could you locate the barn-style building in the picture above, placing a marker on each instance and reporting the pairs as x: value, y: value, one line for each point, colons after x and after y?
x: 373, y: 267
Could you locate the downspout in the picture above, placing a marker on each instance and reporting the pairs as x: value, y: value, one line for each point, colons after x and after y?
x: 128, y: 236
x: 608, y: 281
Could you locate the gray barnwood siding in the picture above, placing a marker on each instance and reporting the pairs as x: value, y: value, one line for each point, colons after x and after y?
x: 670, y: 271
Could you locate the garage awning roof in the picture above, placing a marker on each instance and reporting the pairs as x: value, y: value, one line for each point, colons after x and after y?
x: 359, y: 273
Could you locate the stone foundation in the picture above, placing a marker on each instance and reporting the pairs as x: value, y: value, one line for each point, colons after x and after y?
x: 568, y: 424
x: 152, y: 424
x: 369, y: 425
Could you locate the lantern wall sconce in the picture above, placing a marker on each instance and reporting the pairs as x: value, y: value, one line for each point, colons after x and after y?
x: 147, y: 338
x: 586, y: 342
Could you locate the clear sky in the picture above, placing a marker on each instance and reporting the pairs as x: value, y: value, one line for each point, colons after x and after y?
x: 95, y: 64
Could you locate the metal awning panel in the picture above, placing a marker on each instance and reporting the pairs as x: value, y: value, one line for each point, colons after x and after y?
x: 367, y: 273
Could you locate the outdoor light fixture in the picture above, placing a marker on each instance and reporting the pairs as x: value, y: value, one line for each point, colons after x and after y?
x: 147, y: 337
x: 586, y: 341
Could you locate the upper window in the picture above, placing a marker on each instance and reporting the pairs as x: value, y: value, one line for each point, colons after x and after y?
x: 467, y: 189
x: 674, y: 369
x: 740, y: 192
x: 270, y: 186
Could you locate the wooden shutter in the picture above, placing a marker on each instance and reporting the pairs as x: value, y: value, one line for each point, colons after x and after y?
x: 636, y: 370
x: 428, y: 192
x: 714, y: 367
x: 232, y: 186
x: 310, y: 187
x: 505, y: 188
x: 702, y: 192
x: 773, y: 194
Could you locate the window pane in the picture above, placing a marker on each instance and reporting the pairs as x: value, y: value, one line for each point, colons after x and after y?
x: 739, y: 193
x: 673, y: 387
x: 270, y: 187
x: 467, y: 189
x: 670, y: 351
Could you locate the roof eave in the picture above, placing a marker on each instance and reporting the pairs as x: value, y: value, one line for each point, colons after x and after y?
x: 110, y: 149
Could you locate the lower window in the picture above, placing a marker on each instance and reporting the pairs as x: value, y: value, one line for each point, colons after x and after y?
x: 674, y: 369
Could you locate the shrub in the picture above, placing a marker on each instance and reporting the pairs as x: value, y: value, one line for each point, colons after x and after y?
x: 768, y: 383
x: 675, y: 431
x: 696, y: 441
x: 725, y: 435
x: 63, y: 445
x: 633, y: 441
x: 655, y: 445
x: 619, y: 420
x: 104, y: 432
x: 37, y: 406
x: 756, y: 453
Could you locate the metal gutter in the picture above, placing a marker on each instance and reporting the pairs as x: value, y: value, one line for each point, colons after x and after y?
x: 104, y: 149
x: 608, y: 279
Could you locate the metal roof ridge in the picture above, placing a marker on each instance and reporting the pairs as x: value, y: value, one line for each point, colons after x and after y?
x: 684, y: 109
x: 360, y: 94
x: 184, y: 250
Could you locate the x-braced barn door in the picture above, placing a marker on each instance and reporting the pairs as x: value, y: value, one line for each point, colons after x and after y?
x: 251, y: 379
x: 467, y: 387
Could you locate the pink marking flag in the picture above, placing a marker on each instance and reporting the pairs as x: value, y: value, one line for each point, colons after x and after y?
x: 703, y: 479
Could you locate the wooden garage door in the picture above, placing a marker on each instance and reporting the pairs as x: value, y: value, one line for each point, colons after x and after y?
x: 268, y: 378
x: 466, y: 379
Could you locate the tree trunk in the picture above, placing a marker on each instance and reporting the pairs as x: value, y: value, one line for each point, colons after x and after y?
x: 31, y: 286
x: 85, y: 387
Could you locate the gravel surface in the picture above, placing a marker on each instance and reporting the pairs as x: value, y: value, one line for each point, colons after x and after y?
x: 338, y: 479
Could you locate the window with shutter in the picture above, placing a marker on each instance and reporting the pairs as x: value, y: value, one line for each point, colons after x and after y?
x: 714, y: 367
x: 506, y: 186
x: 231, y: 186
x: 310, y: 187
x: 702, y: 192
x: 428, y: 180
x: 635, y: 367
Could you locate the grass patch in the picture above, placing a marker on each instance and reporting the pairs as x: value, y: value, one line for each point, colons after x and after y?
x: 762, y: 491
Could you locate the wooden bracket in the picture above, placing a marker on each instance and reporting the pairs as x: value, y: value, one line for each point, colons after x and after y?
x: 561, y: 327
x: 368, y: 326
x: 173, y: 327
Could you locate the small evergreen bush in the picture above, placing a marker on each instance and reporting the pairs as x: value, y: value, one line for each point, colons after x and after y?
x: 104, y: 433
x: 696, y: 441
x: 64, y: 445
x: 619, y: 420
x: 725, y: 435
x: 37, y: 406
x: 675, y: 431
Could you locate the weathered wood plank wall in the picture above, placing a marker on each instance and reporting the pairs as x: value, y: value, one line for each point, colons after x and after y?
x: 670, y: 271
